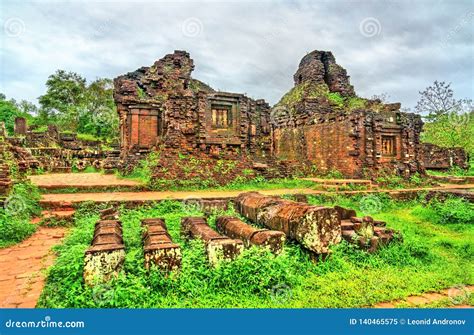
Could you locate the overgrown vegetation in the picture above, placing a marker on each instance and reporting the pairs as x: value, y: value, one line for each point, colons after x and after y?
x: 392, y: 181
x: 452, y: 210
x: 449, y: 121
x: 432, y: 256
x: 455, y: 171
x: 71, y: 104
x: 194, y: 173
x: 17, y: 212
x: 320, y: 91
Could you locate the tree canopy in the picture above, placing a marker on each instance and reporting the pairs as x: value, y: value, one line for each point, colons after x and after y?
x: 74, y: 105
x: 449, y: 121
x: 9, y: 110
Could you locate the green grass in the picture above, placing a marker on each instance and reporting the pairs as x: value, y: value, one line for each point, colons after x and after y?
x: 104, y: 189
x: 240, y: 184
x: 246, y: 180
x: 15, y: 215
x: 454, y: 171
x: 88, y: 169
x: 88, y: 137
x: 431, y: 257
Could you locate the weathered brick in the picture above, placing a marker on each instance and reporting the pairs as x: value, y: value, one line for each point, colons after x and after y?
x: 218, y: 247
x: 158, y: 247
x: 236, y: 228
x: 316, y: 228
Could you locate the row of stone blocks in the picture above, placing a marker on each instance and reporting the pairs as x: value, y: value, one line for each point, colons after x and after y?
x: 160, y: 250
x: 316, y: 228
x: 106, y: 255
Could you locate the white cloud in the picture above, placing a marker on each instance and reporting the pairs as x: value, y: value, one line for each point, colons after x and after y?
x: 250, y: 47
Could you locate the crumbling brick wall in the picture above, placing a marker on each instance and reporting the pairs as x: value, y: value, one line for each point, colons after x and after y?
x: 438, y: 158
x: 322, y: 121
x: 55, y: 151
x: 162, y: 105
x: 321, y: 67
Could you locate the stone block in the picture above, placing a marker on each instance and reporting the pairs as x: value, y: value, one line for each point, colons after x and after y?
x: 218, y: 247
x: 158, y: 247
x: 314, y: 227
x: 104, y: 259
x: 236, y: 228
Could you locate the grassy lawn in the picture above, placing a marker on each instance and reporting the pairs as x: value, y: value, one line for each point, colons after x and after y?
x: 435, y: 254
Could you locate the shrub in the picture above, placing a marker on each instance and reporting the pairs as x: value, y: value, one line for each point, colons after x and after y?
x: 453, y: 210
x: 15, y: 215
x: 336, y: 99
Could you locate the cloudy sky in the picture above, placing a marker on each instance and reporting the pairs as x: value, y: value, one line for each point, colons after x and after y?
x: 397, y: 47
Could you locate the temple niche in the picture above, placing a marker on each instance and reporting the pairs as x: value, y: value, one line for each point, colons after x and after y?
x: 320, y: 122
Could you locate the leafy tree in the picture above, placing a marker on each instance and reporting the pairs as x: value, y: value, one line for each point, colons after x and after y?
x: 8, y: 112
x: 63, y: 99
x: 438, y: 100
x: 448, y: 132
x: 27, y: 107
x: 449, y: 121
x: 99, y: 116
x: 73, y: 105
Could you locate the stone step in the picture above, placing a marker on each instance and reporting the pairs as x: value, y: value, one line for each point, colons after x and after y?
x: 65, y: 213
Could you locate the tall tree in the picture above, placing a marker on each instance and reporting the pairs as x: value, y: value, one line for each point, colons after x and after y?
x: 76, y: 106
x: 438, y: 99
x: 449, y: 121
x: 8, y: 112
x: 99, y: 116
x: 64, y: 97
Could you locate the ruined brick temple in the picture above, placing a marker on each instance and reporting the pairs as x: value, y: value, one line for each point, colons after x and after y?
x: 163, y: 105
x: 320, y: 121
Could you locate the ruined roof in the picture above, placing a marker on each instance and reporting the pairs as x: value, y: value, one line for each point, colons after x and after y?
x: 320, y: 67
x: 320, y: 81
x: 170, y: 75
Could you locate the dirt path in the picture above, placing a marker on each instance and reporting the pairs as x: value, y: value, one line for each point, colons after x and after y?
x: 22, y: 268
x: 457, y: 296
x: 215, y: 194
x: 80, y: 180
